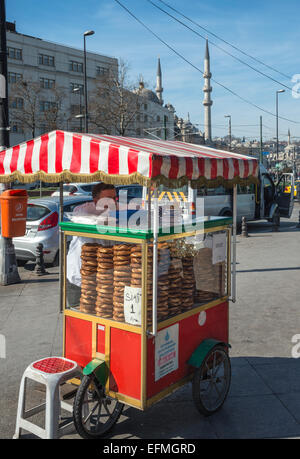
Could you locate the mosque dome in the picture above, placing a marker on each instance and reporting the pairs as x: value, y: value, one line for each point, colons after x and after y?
x: 147, y: 94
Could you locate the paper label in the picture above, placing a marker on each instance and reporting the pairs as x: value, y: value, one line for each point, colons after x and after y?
x: 219, y: 248
x: 133, y: 305
x: 166, y: 351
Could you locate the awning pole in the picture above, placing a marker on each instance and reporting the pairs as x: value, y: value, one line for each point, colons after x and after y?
x: 155, y: 259
x: 61, y: 248
x: 233, y: 296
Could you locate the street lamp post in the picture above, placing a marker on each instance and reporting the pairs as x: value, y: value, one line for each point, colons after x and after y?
x: 229, y: 129
x: 79, y: 91
x: 277, y: 145
x: 86, y: 34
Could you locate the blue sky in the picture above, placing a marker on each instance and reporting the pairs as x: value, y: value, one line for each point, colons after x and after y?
x: 268, y: 30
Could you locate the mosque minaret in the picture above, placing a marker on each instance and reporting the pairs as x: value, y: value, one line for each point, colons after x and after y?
x: 207, y: 102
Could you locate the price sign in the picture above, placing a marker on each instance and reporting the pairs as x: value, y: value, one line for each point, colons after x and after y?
x: 219, y: 248
x: 133, y: 305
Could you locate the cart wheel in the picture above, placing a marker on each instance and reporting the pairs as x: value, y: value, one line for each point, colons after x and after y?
x: 94, y: 413
x: 212, y: 381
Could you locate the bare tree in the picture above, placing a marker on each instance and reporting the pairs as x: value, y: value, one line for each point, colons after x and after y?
x: 115, y: 103
x: 24, y: 104
x: 52, y: 116
x: 29, y: 106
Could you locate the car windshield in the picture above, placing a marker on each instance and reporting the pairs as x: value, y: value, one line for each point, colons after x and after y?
x: 70, y: 188
x: 87, y: 188
x: 36, y: 212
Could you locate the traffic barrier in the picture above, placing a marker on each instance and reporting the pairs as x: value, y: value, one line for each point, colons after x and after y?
x: 244, y: 227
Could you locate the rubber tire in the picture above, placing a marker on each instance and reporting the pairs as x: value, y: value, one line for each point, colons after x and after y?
x: 77, y: 410
x: 21, y: 262
x: 196, y: 383
x: 55, y: 262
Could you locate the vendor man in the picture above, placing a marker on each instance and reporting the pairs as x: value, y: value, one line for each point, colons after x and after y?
x: 100, y: 191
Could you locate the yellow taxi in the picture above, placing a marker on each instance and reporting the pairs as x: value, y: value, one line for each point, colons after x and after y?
x: 287, y: 189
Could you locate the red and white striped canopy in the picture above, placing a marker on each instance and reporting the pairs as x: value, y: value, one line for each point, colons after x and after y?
x: 65, y: 156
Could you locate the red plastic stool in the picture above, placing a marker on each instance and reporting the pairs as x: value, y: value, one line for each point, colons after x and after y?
x: 51, y: 371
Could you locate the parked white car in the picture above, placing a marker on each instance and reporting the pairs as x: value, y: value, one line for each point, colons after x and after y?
x: 42, y: 226
x: 76, y: 189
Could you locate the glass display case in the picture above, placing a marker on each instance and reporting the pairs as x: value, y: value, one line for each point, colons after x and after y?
x: 114, y: 276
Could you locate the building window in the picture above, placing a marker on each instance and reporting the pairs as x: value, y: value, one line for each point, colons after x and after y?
x: 76, y: 66
x: 138, y: 117
x: 158, y: 118
x: 14, y: 77
x: 75, y: 86
x: 44, y: 59
x: 14, y: 53
x: 145, y: 118
x: 46, y: 83
x: 75, y: 109
x: 46, y: 105
x: 138, y: 131
x: 17, y: 128
x: 17, y: 102
x: 102, y: 71
x: 145, y: 106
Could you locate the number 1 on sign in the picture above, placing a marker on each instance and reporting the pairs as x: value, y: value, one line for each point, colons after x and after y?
x: 133, y: 305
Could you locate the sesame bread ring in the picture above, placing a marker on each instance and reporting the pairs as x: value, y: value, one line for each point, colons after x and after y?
x: 136, y: 283
x: 123, y: 269
x: 122, y: 274
x: 118, y: 307
x: 105, y: 313
x: 87, y: 275
x: 104, y: 282
x: 104, y: 254
x: 86, y: 281
x: 90, y: 246
x: 88, y: 269
x: 102, y: 290
x: 90, y: 256
x: 135, y: 261
x: 87, y: 263
x: 105, y: 265
x: 121, y: 257
x: 122, y: 247
x: 105, y: 250
x: 104, y: 302
x: 88, y: 293
x: 104, y: 270
x: 104, y: 308
x: 121, y: 283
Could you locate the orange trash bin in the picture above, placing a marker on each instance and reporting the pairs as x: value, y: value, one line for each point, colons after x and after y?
x: 13, y: 213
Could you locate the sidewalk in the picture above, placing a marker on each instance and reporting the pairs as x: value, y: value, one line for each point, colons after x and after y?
x: 264, y: 398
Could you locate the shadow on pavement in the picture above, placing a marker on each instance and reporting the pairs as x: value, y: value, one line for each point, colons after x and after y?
x: 263, y: 402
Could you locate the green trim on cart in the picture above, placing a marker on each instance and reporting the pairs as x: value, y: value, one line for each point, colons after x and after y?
x: 99, y: 368
x: 202, y: 350
x: 212, y: 222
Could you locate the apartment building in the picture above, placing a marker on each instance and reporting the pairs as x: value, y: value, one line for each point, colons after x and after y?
x: 50, y: 66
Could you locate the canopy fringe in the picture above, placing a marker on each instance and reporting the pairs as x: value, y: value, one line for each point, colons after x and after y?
x: 136, y: 178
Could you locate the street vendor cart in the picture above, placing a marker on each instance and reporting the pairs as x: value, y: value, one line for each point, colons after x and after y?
x: 153, y: 312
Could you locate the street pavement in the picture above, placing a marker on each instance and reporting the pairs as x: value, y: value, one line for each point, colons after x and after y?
x: 264, y: 397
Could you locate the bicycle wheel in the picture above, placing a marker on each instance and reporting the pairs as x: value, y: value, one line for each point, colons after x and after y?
x: 211, y: 381
x: 94, y: 413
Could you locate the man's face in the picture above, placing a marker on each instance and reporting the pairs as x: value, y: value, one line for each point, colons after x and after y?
x: 109, y: 197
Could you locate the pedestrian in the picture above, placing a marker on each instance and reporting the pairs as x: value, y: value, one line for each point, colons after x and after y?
x: 99, y: 192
